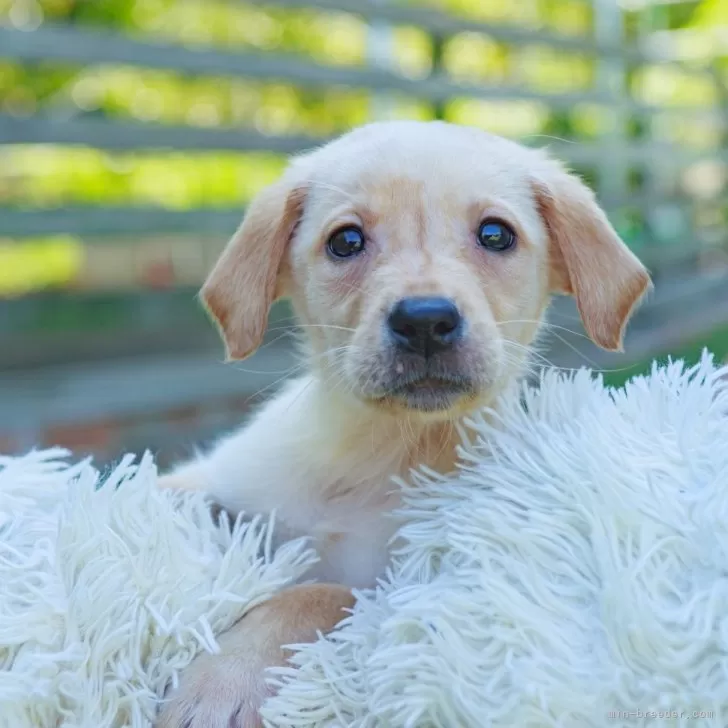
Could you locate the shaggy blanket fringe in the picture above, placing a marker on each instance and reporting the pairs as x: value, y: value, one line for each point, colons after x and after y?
x: 110, y: 586
x: 573, y: 573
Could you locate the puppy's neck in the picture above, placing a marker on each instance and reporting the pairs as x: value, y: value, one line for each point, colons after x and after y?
x: 399, y: 441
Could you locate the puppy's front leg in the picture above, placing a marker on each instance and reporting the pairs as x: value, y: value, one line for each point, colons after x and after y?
x: 188, y: 477
x: 226, y: 690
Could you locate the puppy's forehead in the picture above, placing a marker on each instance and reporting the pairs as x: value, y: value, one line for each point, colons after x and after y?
x: 417, y: 162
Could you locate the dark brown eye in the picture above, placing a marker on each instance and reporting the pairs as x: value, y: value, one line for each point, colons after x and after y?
x: 496, y: 235
x: 346, y: 242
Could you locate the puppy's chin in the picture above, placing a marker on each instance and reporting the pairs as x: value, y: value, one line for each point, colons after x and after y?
x: 432, y: 399
x: 430, y: 396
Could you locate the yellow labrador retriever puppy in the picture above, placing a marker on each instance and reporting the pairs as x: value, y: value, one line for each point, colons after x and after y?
x: 419, y: 258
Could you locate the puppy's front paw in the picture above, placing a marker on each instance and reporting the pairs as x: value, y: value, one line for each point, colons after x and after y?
x: 227, y: 690
x: 217, y: 691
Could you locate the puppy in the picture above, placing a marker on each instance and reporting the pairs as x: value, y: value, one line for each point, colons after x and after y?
x: 419, y: 259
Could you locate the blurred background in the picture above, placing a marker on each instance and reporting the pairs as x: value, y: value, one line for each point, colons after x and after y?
x: 133, y: 133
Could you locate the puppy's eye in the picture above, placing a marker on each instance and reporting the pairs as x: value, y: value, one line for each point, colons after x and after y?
x: 496, y: 235
x: 346, y: 242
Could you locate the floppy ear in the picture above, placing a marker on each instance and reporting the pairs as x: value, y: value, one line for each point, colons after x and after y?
x: 243, y: 284
x: 587, y: 258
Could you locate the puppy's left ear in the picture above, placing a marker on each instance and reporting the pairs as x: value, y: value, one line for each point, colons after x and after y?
x: 587, y: 258
x: 246, y: 278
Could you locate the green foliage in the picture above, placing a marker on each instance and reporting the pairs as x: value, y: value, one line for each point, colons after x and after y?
x: 60, y: 176
x: 57, y: 176
x: 51, y: 176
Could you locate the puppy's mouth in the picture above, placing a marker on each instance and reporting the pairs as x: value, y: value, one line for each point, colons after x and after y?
x: 429, y: 394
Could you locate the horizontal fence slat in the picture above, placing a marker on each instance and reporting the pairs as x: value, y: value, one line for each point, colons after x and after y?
x: 119, y: 389
x: 57, y: 43
x: 443, y: 25
x: 71, y: 45
x: 91, y: 221
x: 157, y: 322
x: 113, y: 134
x: 122, y: 135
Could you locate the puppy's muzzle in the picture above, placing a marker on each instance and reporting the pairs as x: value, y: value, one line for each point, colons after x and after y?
x: 425, y: 325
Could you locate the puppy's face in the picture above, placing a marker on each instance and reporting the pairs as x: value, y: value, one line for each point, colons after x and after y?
x: 420, y: 267
x: 420, y: 258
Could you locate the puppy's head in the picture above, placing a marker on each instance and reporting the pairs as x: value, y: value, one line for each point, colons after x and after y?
x: 420, y: 258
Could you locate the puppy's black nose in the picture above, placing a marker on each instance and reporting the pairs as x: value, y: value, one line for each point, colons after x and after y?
x: 425, y: 325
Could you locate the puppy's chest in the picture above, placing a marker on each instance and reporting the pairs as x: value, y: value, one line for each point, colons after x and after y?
x: 350, y: 514
x: 353, y: 542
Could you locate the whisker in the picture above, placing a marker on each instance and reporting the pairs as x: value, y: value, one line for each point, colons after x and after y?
x: 445, y: 437
x: 353, y: 288
x: 544, y: 324
x: 293, y: 327
x: 569, y: 345
x: 530, y: 351
x: 263, y: 372
x: 406, y: 437
x: 565, y: 316
x: 548, y: 363
x: 275, y: 383
x: 283, y: 319
x: 550, y: 136
x: 294, y: 368
x: 554, y: 328
x: 297, y: 397
x: 332, y: 188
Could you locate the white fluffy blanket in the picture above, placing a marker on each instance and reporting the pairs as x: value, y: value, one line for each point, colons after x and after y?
x: 106, y: 593
x: 574, y: 574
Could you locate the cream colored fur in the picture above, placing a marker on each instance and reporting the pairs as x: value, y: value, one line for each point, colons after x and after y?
x: 322, y: 453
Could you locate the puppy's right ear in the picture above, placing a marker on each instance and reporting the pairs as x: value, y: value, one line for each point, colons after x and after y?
x: 239, y: 291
